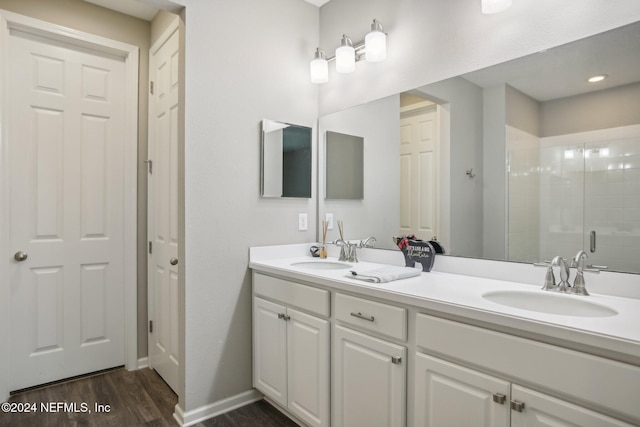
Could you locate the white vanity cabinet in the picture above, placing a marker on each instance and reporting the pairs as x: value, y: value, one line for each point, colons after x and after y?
x: 369, y: 371
x: 447, y: 393
x: 291, y: 347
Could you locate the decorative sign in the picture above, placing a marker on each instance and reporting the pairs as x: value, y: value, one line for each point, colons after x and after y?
x: 421, y: 252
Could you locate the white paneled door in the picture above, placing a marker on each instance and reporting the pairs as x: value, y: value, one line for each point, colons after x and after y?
x: 419, y: 173
x: 66, y: 202
x: 163, y: 206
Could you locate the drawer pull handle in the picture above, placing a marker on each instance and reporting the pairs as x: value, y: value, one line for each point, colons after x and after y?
x: 396, y: 360
x: 499, y: 398
x: 517, y: 406
x: 363, y: 317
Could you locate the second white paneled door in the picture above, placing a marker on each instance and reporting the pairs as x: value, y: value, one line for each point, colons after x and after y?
x: 66, y: 152
x: 164, y: 73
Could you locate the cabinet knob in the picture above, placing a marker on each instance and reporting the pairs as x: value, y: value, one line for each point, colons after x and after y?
x: 396, y: 360
x: 517, y: 405
x: 499, y: 398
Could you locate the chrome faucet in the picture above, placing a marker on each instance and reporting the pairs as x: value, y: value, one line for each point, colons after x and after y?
x: 348, y: 251
x: 369, y: 242
x: 577, y: 262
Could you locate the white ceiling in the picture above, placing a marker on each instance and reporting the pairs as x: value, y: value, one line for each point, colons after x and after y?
x: 562, y: 71
x: 147, y: 12
x: 317, y: 2
x: 128, y: 7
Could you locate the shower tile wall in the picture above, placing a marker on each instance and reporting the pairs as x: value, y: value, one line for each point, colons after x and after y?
x: 581, y: 187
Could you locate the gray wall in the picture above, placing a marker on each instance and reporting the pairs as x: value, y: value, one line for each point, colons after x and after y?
x: 465, y: 101
x: 378, y: 213
x: 494, y: 188
x: 245, y: 61
x: 587, y: 112
x: 522, y: 111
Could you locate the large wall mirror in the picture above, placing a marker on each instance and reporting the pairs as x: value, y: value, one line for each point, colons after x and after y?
x: 521, y: 161
x: 286, y: 160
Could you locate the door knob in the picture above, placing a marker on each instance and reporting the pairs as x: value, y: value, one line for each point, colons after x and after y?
x: 20, y: 256
x: 173, y: 261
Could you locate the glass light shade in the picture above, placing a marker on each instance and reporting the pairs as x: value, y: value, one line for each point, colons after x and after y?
x: 376, y: 46
x: 345, y: 59
x: 319, y: 71
x: 495, y: 6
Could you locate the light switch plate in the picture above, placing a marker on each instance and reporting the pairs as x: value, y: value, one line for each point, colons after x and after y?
x: 328, y: 217
x: 302, y: 222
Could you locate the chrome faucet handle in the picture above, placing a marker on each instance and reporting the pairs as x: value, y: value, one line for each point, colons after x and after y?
x: 549, y: 278
x: 563, y: 286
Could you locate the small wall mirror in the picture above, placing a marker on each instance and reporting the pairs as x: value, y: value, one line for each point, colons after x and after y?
x: 344, y: 163
x: 286, y: 160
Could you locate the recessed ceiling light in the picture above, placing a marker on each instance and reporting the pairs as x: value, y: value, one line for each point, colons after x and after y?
x: 598, y: 78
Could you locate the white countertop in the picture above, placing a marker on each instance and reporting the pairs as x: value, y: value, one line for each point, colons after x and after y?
x: 460, y: 297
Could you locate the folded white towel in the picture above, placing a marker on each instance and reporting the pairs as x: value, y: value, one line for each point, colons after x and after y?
x: 385, y: 274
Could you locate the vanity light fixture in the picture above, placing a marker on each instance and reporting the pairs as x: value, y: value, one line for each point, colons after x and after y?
x: 373, y: 49
x: 598, y: 78
x: 495, y: 6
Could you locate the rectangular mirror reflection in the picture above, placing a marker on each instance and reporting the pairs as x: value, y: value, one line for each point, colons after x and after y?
x: 344, y: 166
x: 286, y: 160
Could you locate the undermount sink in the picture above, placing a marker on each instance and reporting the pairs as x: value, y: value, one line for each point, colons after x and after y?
x: 551, y: 303
x: 322, y: 265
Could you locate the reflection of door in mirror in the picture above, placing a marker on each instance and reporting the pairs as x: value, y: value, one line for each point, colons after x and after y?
x: 419, y: 195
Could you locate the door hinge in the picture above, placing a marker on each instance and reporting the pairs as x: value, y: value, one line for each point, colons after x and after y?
x: 150, y: 165
x: 150, y: 326
x: 150, y: 247
x: 151, y: 87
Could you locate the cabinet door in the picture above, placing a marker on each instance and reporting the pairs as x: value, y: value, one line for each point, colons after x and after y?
x: 369, y: 383
x: 542, y: 410
x: 451, y: 395
x: 308, y: 372
x: 270, y: 350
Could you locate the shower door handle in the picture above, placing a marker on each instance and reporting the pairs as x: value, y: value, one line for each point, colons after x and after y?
x: 592, y: 241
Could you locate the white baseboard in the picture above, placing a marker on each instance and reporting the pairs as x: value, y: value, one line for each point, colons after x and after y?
x: 143, y: 362
x: 214, y: 409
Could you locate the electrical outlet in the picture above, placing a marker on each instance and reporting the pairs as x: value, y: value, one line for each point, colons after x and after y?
x: 302, y: 222
x: 328, y: 217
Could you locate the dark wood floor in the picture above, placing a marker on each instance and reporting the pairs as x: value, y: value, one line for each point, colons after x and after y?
x: 134, y: 398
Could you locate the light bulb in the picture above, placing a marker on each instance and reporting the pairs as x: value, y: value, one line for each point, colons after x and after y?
x: 345, y: 56
x: 319, y: 68
x: 376, y: 43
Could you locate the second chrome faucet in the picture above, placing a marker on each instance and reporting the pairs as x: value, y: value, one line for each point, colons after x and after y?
x: 579, y: 286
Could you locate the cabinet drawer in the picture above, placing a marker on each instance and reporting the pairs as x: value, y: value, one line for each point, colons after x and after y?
x: 308, y: 298
x: 372, y: 316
